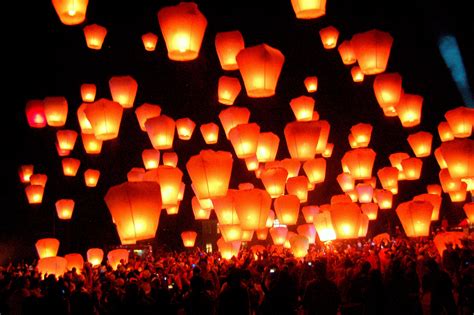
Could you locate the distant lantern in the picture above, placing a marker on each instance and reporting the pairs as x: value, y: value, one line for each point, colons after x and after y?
x: 384, y: 198
x: 52, y: 266
x: 71, y: 12
x: 76, y: 261
x: 260, y: 67
x: 362, y: 134
x: 183, y: 27
x: 328, y: 151
x: 70, y: 166
x: 25, y: 172
x: 448, y: 183
x: 279, y: 234
x: 435, y: 200
x: 262, y: 234
x: 225, y: 210
x: 352, y: 141
x: 210, y: 133
x: 116, y: 257
x: 84, y: 123
x: 66, y: 139
x: 307, y: 230
x: 251, y: 163
x: 55, y: 110
x: 91, y: 144
x: 88, y: 92
x: 329, y: 37
x: 287, y: 208
x: 95, y: 35
x: 228, y: 45
x: 252, y: 207
x: 95, y: 256
x: 232, y: 117
x: 185, y: 128
x: 267, y: 147
x: 346, y: 220
x: 292, y: 166
x: 228, y: 89
x: 105, y: 117
x: 434, y: 189
x: 342, y: 198
x: 270, y: 219
x: 460, y: 121
x: 34, y: 193
x: 299, y: 245
x: 324, y: 227
x: 303, y: 107
x: 309, y: 9
x: 35, y: 114
x: 357, y: 74
x: 247, y: 235
x: 189, y: 238
x: 91, y: 177
x: 171, y: 210
x: 199, y: 212
x: 412, y: 168
x: 170, y: 159
x: 123, y: 90
x: 38, y: 179
x: 360, y: 162
x: 244, y: 139
x: 388, y: 177
x: 409, y: 109
x: 346, y: 51
x: 420, y: 143
x: 372, y: 50
x: 469, y: 211
x: 309, y: 212
x: 364, y: 225
x: 323, y: 135
x: 460, y: 194
x: 298, y: 186
x: 415, y: 217
x: 315, y: 169
x: 160, y: 130
x: 370, y: 209
x: 136, y: 174
x: 146, y: 111
x: 365, y: 192
x: 459, y: 157
x: 396, y: 161
x: 311, y: 84
x: 346, y: 182
x: 274, y: 180
x: 135, y: 209
x: 64, y: 208
x: 445, y: 132
x: 149, y: 41
x: 60, y: 151
x: 47, y: 247
x: 388, y: 89
x: 151, y: 158
x: 228, y: 249
x: 302, y: 139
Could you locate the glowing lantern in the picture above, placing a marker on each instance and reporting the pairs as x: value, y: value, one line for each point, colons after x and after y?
x: 454, y: 238
x: 346, y: 220
x: 324, y: 227
x: 396, y: 161
x: 315, y: 169
x: 228, y: 45
x: 267, y: 147
x: 252, y: 207
x: 311, y: 84
x: 34, y: 193
x: 353, y: 195
x: 151, y: 158
x: 233, y: 116
x: 35, y: 114
x: 182, y: 187
x: 228, y: 249
x: 357, y: 74
x: 149, y: 41
x: 105, y: 117
x: 91, y: 144
x: 136, y: 174
x: 298, y: 186
x: 309, y: 9
x: 160, y: 130
x: 329, y: 37
x: 52, y: 266
x: 459, y: 157
x: 64, y: 208
x: 95, y: 35
x: 262, y: 234
x: 123, y: 90
x: 434, y: 189
x: 364, y: 225
x: 274, y: 180
x: 55, y: 110
x: 388, y: 89
x: 231, y: 232
x: 146, y: 111
x: 117, y: 257
x: 307, y: 230
x: 359, y: 162
x: 448, y: 183
x: 440, y: 159
x: 342, y: 198
x: 445, y: 132
x: 365, y: 192
x: 84, y: 123
x: 346, y: 51
x: 189, y: 238
x: 247, y: 236
x: 210, y: 133
x: 303, y: 108
x: 260, y: 67
x: 244, y: 139
x: 38, y: 179
x: 292, y: 166
x: 88, y: 92
x: 70, y: 166
x: 224, y: 208
x: 66, y: 139
x: 370, y: 209
x: 279, y: 234
x: 270, y: 219
x: 228, y: 90
x: 199, y: 212
x: 390, y: 111
x: 409, y: 109
x: 170, y: 210
x: 328, y: 151
x: 459, y: 195
x: 309, y: 212
x: 435, y: 201
x: 252, y: 163
x: 362, y: 134
x: 415, y: 217
x: 372, y: 50
x: 302, y: 139
x: 352, y: 141
x: 91, y: 177
x: 460, y: 121
x: 95, y: 256
x: 469, y: 210
x: 170, y: 159
x: 346, y: 181
x: 323, y: 135
x: 185, y: 128
x: 169, y: 179
x: 388, y: 177
x: 60, y: 151
x: 287, y: 208
x: 71, y: 12
x: 74, y: 261
x: 299, y: 245
x: 420, y: 143
x: 47, y: 247
x: 412, y: 168
x: 25, y: 172
x: 383, y: 198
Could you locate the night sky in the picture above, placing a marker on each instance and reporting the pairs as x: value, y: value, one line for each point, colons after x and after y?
x: 52, y: 59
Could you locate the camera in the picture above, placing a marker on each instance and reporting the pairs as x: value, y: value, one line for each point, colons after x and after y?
x: 170, y: 287
x: 165, y: 278
x: 310, y: 263
x: 272, y: 270
x: 193, y: 265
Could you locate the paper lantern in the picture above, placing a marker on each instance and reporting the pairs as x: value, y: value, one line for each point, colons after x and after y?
x: 435, y: 201
x: 160, y: 130
x: 189, y: 238
x: 459, y: 157
x: 383, y: 198
x: 267, y: 147
x: 302, y: 108
x: 244, y: 139
x: 136, y: 174
x: 460, y: 194
x: 434, y: 189
x: 302, y: 139
x: 88, y: 92
x: 298, y: 186
x: 291, y: 165
x: 210, y: 133
x: 25, y: 172
x: 199, y: 212
x: 228, y: 45
x: 323, y: 135
x: 47, y: 247
x: 233, y: 116
x: 183, y: 27
x: 205, y: 203
x: 396, y: 161
x: 315, y: 169
x: 91, y: 177
x: 353, y: 195
x: 346, y: 182
x: 443, y: 238
x: 346, y: 51
x: 342, y: 198
x: 469, y: 210
x: 311, y: 84
x: 448, y: 183
x: 352, y: 141
x: 274, y: 180
x: 262, y: 234
x: 228, y: 249
x: 370, y: 209
x: 260, y: 67
x: 364, y: 225
x: 359, y: 162
x: 123, y: 90
x: 64, y: 208
x: 169, y: 179
x: 149, y: 41
x: 329, y: 37
x: 224, y: 208
x: 252, y: 163
x: 151, y: 158
x: 91, y: 144
x: 362, y: 134
x: 287, y: 208
x: 228, y: 89
x: 60, y: 151
x: 307, y: 230
x: 71, y: 12
x: 388, y: 89
x: 95, y: 256
x: 74, y: 261
x: 328, y: 150
x: 420, y: 143
x: 66, y: 139
x: 409, y: 109
x: 38, y: 179
x: 324, y: 227
x: 105, y: 117
x: 309, y: 212
x: 84, y: 123
x: 171, y: 210
x: 170, y: 159
x: 460, y: 121
x: 357, y: 74
x: 185, y: 128
x: 388, y: 177
x: 309, y: 9
x: 270, y: 219
x: 135, y: 209
x: 299, y: 245
x: 70, y: 166
x: 247, y: 236
x: 345, y: 219
x: 252, y: 207
x: 52, y: 266
x: 34, y: 193
x: 365, y: 192
x: 279, y: 234
x: 445, y: 132
x: 35, y: 114
x: 412, y: 168
x: 372, y: 50
x: 95, y: 35
x: 117, y: 257
x: 415, y: 217
x: 440, y: 159
x: 55, y: 110
x: 146, y: 111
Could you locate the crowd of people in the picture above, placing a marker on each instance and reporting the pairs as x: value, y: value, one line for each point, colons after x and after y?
x: 397, y: 276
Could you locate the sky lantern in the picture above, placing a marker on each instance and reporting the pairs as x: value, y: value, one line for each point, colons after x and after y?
x: 371, y: 181
x: 205, y: 203
x: 329, y: 37
x: 244, y: 139
x: 95, y: 35
x: 459, y: 157
x: 409, y: 109
x: 323, y: 135
x: 88, y: 91
x: 346, y: 181
x: 396, y: 161
x: 84, y: 123
x: 247, y: 235
x: 34, y: 194
x: 315, y: 169
x: 364, y: 225
x: 38, y: 179
x: 169, y: 179
x: 435, y: 200
x: 298, y: 186
x: 151, y: 158
x: 445, y: 132
x: 292, y: 166
x: 182, y: 187
x: 123, y: 90
x: 74, y: 260
x: 160, y: 130
x: 252, y: 207
x: 309, y: 212
x: 228, y: 249
x: 347, y: 53
x: 299, y: 245
x: 185, y: 128
x: 383, y: 198
x: 365, y: 192
x: 262, y: 234
x: 91, y: 144
x: 388, y: 177
x: 105, y: 117
x: 232, y: 117
x: 328, y: 151
x: 189, y: 238
x: 149, y: 41
x: 307, y: 230
x: 91, y: 177
x: 448, y: 183
x: 346, y: 220
x: 116, y: 257
x: 357, y: 74
x: 303, y: 107
x: 460, y: 121
x: 25, y: 172
x: 170, y: 159
x: 415, y: 217
x: 352, y: 141
x: 311, y: 84
x: 302, y: 139
x: 388, y: 89
x: 469, y: 210
x: 309, y: 9
x: 252, y: 163
x: 60, y: 151
x: 274, y: 180
x: 267, y: 147
x: 47, y: 247
x: 52, y: 266
x: 370, y: 209
x: 412, y: 168
x: 460, y: 194
x: 279, y: 234
x: 64, y: 208
x: 324, y: 227
x: 362, y: 134
x: 210, y: 132
x: 270, y: 219
x: 372, y: 50
x: 228, y: 89
x: 287, y: 208
x: 171, y: 210
x: 360, y: 162
x: 95, y: 256
x: 66, y: 139
x: 228, y: 45
x: 35, y: 114
x: 136, y: 174
x: 146, y: 111
x: 135, y: 209
x: 55, y: 110
x: 70, y: 166
x: 71, y: 12
x: 224, y: 208
x: 434, y: 189
x: 420, y: 143
x: 341, y: 198
x: 199, y: 212
x: 260, y: 67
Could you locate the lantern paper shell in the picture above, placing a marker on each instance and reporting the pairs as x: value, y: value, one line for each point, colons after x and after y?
x: 25, y: 172
x: 435, y: 201
x: 302, y: 139
x: 412, y: 168
x: 136, y: 174
x: 357, y: 74
x: 169, y: 179
x: 307, y: 230
x: 460, y: 194
x: 95, y: 256
x: 364, y: 225
x: 34, y: 193
x: 323, y: 135
x: 311, y: 84
x: 185, y: 128
x: 199, y: 212
x: 342, y: 198
x: 91, y: 144
x: 66, y: 139
x: 383, y: 198
x: 232, y: 117
x: 146, y: 111
x: 388, y: 89
x: 460, y: 121
x: 299, y: 245
x: 91, y: 177
x: 151, y: 158
x: 116, y: 256
x: 362, y: 134
x: 346, y: 51
x: 70, y: 166
x: 35, y: 114
x: 228, y: 249
x: 274, y: 180
x: 445, y: 132
x: 189, y: 238
x: 123, y: 90
x: 228, y: 45
x: 228, y: 89
x: 244, y: 139
x: 260, y: 67
x: 303, y: 107
x: 224, y: 208
x: 105, y: 117
x: 415, y: 217
x: 64, y: 208
x: 359, y: 162
x: 52, y: 266
x: 267, y: 147
x: 409, y: 110
x: 210, y: 133
x: 149, y: 41
x: 329, y: 37
x: 309, y: 9
x: 74, y: 261
x: 448, y: 183
x: 270, y: 219
x: 469, y: 210
x: 60, y: 151
x: 38, y: 179
x: 71, y: 12
x: 279, y: 234
x: 388, y: 177
x: 370, y: 209
x: 434, y: 189
x: 252, y: 163
x: 372, y: 50
x: 88, y: 92
x: 170, y: 159
x: 161, y: 132
x: 324, y: 227
x: 84, y: 123
x: 262, y: 234
x: 55, y: 110
x: 315, y: 169
x: 346, y: 220
x: 252, y: 207
x: 231, y: 232
x: 420, y: 143
x: 183, y: 28
x: 346, y: 182
x: 459, y: 157
x: 95, y: 35
x: 287, y: 208
x: 309, y: 212
x: 47, y: 247
x: 298, y: 186
x: 364, y: 192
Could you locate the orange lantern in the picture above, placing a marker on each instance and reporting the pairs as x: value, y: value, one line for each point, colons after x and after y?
x: 370, y: 209
x: 170, y: 210
x: 262, y: 234
x: 279, y: 234
x: 346, y: 220
x: 88, y: 92
x: 469, y: 210
x: 210, y: 133
x: 224, y: 208
x: 364, y: 225
x: 396, y: 161
x: 359, y: 162
x: 160, y: 130
x: 383, y: 198
x: 25, y: 172
x: 365, y: 192
x: 459, y: 157
x: 247, y: 236
x: 362, y: 134
x: 151, y: 158
x: 342, y: 198
x: 346, y: 181
x: 146, y: 111
x: 84, y: 123
x: 70, y: 166
x: 445, y: 132
x: 95, y: 35
x: 205, y: 203
x: 287, y: 208
x: 388, y: 89
x: 47, y: 247
x: 199, y: 212
x: 228, y: 89
x: 420, y: 143
x: 329, y: 37
x: 228, y: 45
x: 309, y: 212
x: 189, y: 238
x: 91, y: 177
x: 307, y: 230
x: 434, y: 189
x: 292, y: 166
x: 71, y: 12
x: 182, y: 187
x: 435, y: 200
x: 274, y: 180
x: 66, y: 139
x: 443, y: 238
x: 64, y: 208
x: 270, y: 219
x: 233, y: 116
x: 323, y: 135
x: 228, y: 249
x: 117, y: 257
x: 35, y: 115
x: 244, y: 139
x: 55, y: 110
x: 309, y: 9
x: 52, y: 266
x: 38, y: 179
x: 260, y: 67
x: 409, y: 109
x: 303, y: 107
x: 302, y: 139
x: 415, y: 217
x: 251, y: 163
x: 185, y: 128
x: 105, y: 117
x: 170, y: 159
x: 412, y: 168
x: 123, y: 90
x: 448, y: 183
x: 311, y: 84
x: 60, y: 151
x: 95, y: 256
x: 298, y: 186
x: 169, y: 179
x: 34, y: 193
x: 352, y: 141
x: 460, y: 194
x: 299, y: 245
x: 136, y: 174
x: 91, y: 144
x: 328, y: 151
x: 267, y: 147
x: 372, y: 50
x: 74, y: 261
x: 353, y: 195
x: 252, y: 207
x: 460, y: 121
x: 346, y: 51
x: 324, y: 227
x: 388, y: 177
x: 440, y: 159
x: 315, y: 169
x: 357, y: 74
x: 149, y: 41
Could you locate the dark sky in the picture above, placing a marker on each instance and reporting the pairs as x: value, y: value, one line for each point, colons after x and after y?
x: 49, y: 58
